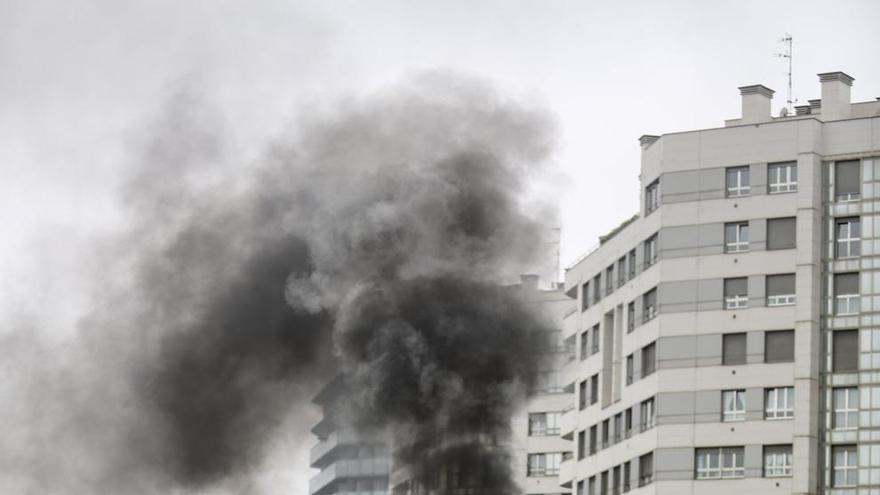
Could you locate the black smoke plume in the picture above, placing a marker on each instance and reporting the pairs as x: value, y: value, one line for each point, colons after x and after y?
x: 373, y: 240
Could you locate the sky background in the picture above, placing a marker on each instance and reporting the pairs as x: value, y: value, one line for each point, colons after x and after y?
x: 78, y: 77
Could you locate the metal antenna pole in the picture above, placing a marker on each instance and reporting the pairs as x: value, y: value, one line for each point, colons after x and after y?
x: 787, y: 39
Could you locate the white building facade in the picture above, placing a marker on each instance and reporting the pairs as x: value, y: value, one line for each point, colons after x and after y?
x: 727, y: 337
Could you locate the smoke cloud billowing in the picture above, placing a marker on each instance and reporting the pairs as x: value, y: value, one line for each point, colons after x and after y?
x: 370, y: 242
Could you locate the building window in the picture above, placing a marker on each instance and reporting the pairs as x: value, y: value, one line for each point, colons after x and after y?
x: 733, y: 349
x: 629, y: 369
x: 627, y: 422
x: 545, y: 464
x: 847, y: 180
x: 630, y: 317
x: 595, y: 338
x: 649, y: 303
x: 720, y: 463
x: 585, y: 296
x: 594, y: 389
x: 626, y: 476
x: 849, y: 237
x: 779, y: 403
x: 845, y: 351
x: 777, y: 461
x: 615, y: 480
x: 606, y: 433
x: 652, y: 196
x: 844, y: 466
x: 651, y: 251
x: 737, y: 181
x: 585, y: 344
x: 781, y: 233
x: 597, y: 289
x: 603, y: 483
x: 736, y: 293
x: 649, y: 360
x: 591, y: 486
x: 621, y: 271
x: 736, y: 237
x: 580, y: 487
x: 617, y: 429
x: 647, y: 413
x: 582, y: 394
x: 609, y: 280
x: 782, y: 177
x: 780, y: 289
x: 733, y: 405
x: 544, y: 424
x: 593, y: 436
x: 779, y: 346
x: 547, y: 382
x: 845, y: 401
x: 582, y: 444
x: 846, y: 293
x: 646, y: 469
x: 631, y: 261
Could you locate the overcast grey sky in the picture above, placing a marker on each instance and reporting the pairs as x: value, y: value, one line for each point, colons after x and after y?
x: 77, y: 77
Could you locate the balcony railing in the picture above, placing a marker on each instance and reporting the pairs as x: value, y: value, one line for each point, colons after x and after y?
x: 781, y: 300
x: 847, y: 304
x: 738, y: 301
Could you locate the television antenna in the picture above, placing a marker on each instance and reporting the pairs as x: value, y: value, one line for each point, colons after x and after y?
x: 787, y: 41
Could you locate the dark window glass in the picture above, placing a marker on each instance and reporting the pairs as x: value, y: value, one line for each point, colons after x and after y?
x: 733, y: 348
x: 845, y: 350
x: 781, y: 233
x: 779, y: 346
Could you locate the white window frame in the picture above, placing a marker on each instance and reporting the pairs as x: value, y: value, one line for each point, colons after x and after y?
x: 847, y: 409
x: 648, y: 414
x: 719, y: 470
x: 847, y: 304
x: 544, y: 464
x: 739, y: 301
x: 650, y: 250
x: 652, y: 197
x: 848, y: 470
x: 781, y: 300
x: 738, y: 189
x: 783, y: 182
x: 848, y: 242
x: 777, y: 461
x: 779, y: 403
x: 733, y: 405
x: 737, y: 245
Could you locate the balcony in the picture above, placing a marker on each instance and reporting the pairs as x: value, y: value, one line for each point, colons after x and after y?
x: 348, y: 469
x: 567, y: 422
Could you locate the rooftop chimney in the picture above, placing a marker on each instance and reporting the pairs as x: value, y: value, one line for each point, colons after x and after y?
x: 815, y: 105
x: 836, y: 88
x: 755, y: 103
x: 647, y: 140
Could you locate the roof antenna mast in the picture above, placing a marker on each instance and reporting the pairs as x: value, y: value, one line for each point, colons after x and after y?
x: 789, y: 103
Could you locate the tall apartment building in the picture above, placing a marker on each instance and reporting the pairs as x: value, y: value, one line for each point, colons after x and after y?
x: 728, y: 340
x: 538, y: 447
x: 350, y: 462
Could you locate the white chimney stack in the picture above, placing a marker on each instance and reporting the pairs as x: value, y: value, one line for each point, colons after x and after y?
x: 836, y: 88
x: 755, y: 103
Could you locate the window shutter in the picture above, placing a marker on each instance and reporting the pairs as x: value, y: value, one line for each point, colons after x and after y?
x: 846, y: 283
x: 735, y: 287
x: 845, y: 351
x: 847, y: 177
x: 781, y: 233
x: 734, y: 348
x: 780, y: 285
x: 779, y: 346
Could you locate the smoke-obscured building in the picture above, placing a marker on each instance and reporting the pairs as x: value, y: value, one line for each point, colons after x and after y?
x: 350, y: 463
x: 538, y: 446
x: 727, y: 337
